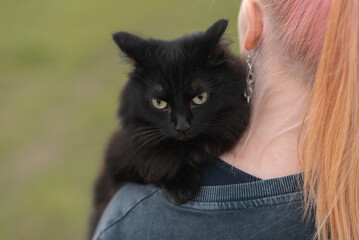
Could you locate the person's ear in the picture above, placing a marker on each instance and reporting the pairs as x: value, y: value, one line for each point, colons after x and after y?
x: 255, y: 24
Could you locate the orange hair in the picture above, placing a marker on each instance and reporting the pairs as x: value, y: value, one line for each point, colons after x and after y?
x: 324, y: 35
x: 331, y: 144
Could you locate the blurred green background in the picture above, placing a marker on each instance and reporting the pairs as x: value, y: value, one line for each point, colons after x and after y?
x: 60, y: 77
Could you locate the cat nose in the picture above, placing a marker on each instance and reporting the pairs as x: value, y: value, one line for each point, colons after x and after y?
x: 183, y: 127
x: 182, y: 124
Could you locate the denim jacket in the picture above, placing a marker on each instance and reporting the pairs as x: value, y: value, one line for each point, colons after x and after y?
x: 265, y: 209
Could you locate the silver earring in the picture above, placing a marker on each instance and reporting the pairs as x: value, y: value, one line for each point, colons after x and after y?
x: 248, y: 93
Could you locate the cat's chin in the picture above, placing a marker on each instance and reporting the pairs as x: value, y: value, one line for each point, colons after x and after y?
x: 184, y: 137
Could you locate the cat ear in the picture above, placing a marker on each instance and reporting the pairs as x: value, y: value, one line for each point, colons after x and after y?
x: 211, y: 38
x: 130, y: 44
x: 215, y: 32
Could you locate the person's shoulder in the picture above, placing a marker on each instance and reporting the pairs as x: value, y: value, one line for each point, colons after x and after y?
x: 127, y: 198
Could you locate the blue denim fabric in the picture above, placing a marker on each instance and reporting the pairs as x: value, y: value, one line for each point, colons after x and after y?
x: 265, y: 209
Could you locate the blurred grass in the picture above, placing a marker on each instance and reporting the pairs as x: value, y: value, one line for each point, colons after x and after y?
x: 60, y: 77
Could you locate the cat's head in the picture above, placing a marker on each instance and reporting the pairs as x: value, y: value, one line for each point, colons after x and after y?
x: 183, y: 88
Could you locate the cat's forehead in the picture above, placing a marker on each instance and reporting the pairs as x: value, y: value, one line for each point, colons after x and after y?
x: 173, y: 53
x: 178, y: 66
x: 178, y: 86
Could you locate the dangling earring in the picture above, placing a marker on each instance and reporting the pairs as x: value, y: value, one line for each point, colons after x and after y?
x: 248, y: 93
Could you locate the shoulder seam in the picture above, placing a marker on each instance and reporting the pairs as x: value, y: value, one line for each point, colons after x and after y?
x: 118, y: 220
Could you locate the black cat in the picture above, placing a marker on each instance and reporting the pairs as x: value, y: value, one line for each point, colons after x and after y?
x: 183, y: 104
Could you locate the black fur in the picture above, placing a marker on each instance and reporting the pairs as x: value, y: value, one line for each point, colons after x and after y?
x: 169, y: 147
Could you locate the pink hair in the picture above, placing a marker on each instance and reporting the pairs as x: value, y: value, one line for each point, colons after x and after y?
x: 302, y: 26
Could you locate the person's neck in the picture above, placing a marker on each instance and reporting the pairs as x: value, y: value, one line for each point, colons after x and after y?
x: 268, y: 148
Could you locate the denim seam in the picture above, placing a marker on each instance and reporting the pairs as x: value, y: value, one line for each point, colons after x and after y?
x: 249, y: 190
x: 249, y: 199
x: 128, y: 211
x: 231, y: 209
x: 224, y: 210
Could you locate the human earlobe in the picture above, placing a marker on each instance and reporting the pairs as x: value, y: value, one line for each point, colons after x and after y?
x: 255, y: 24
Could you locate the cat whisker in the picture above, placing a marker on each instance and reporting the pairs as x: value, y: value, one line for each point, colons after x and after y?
x: 207, y: 133
x: 161, y: 139
x: 146, y: 137
x: 147, y: 133
x: 140, y: 133
x: 147, y: 140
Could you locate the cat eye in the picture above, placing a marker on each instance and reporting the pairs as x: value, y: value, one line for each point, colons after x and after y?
x: 201, y: 98
x: 158, y: 103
